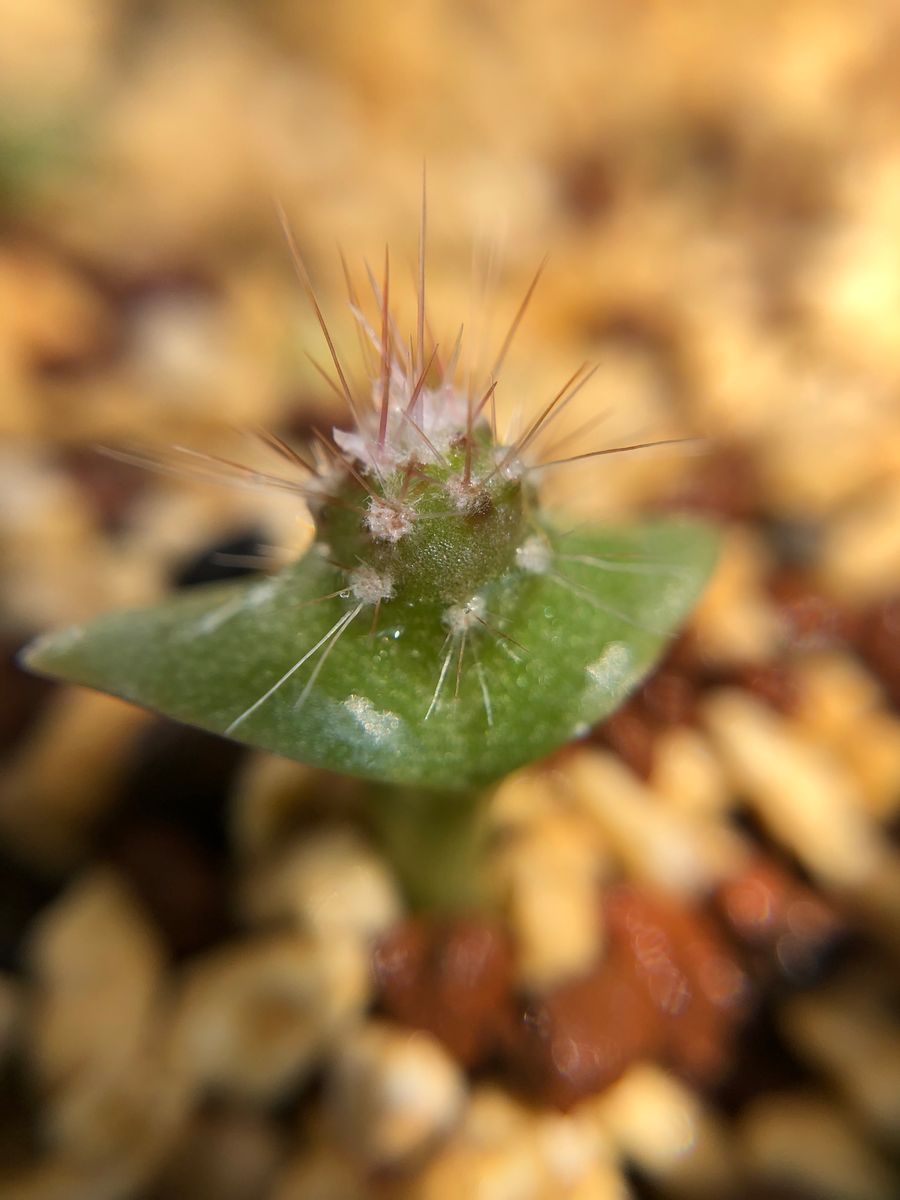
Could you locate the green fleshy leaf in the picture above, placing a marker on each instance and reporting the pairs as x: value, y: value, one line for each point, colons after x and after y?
x: 558, y: 651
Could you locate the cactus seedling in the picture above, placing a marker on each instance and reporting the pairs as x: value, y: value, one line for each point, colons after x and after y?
x: 442, y: 629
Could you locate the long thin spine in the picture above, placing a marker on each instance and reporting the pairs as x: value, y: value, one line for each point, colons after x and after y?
x: 420, y: 290
x: 385, y: 354
x: 443, y: 675
x: 482, y: 683
x: 558, y: 462
x: 338, y: 626
x: 303, y: 276
x: 516, y: 321
x: 347, y: 621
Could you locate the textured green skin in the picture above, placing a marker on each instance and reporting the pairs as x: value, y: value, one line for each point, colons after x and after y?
x: 206, y: 656
x: 448, y: 554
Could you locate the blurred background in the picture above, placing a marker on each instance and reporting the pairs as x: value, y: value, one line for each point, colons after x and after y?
x: 187, y: 1001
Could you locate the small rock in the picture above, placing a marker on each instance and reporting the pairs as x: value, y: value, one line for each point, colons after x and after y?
x: 253, y: 1018
x: 809, y: 1142
x: 223, y: 1154
x: 666, y: 988
x: 452, y: 979
x: 393, y: 1094
x: 330, y: 883
x: 766, y: 908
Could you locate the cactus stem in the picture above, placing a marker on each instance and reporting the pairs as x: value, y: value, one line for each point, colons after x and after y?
x: 435, y: 842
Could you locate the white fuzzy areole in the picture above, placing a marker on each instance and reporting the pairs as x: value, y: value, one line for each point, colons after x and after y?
x: 369, y: 585
x: 533, y: 556
x: 387, y: 522
x: 379, y: 726
x: 259, y: 593
x: 611, y: 669
x: 463, y: 496
x: 461, y: 617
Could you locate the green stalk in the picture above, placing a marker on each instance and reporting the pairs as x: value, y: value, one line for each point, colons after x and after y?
x: 435, y: 842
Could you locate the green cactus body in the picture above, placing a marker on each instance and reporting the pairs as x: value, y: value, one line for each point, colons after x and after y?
x: 435, y: 536
x: 441, y: 630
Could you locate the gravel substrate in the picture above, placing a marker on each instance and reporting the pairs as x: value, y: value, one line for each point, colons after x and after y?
x: 686, y: 981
